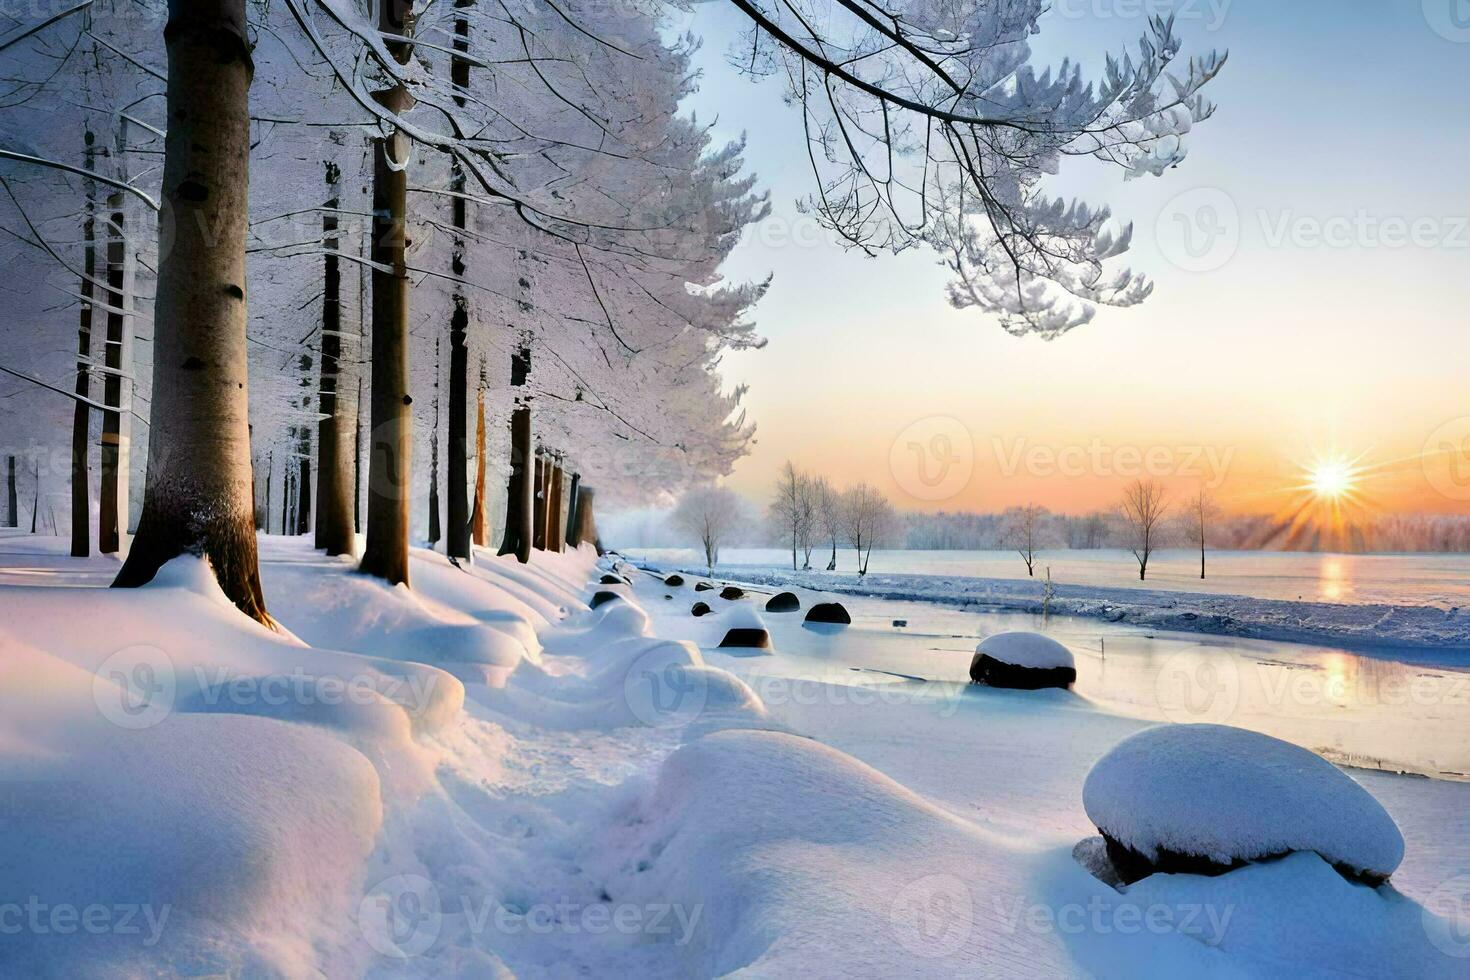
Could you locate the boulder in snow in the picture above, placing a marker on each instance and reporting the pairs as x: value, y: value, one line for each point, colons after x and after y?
x: 700, y: 609
x: 745, y: 630
x: 1023, y: 661
x: 834, y: 613
x: 704, y: 586
x: 674, y: 581
x: 783, y: 602
x: 603, y: 597
x: 1205, y: 799
x: 732, y: 592
x: 612, y: 580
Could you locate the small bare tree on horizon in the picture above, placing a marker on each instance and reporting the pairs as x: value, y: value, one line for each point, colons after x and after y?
x: 1022, y: 533
x: 1199, y: 515
x: 1143, y: 509
x: 710, y: 514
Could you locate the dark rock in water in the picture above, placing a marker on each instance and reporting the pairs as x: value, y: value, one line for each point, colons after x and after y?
x: 612, y: 580
x: 603, y: 597
x: 748, y: 638
x: 668, y: 597
x: 674, y: 581
x: 829, y: 612
x: 985, y: 669
x: 784, y: 602
x: 703, y: 586
x: 732, y: 592
x: 900, y: 623
x: 700, y: 609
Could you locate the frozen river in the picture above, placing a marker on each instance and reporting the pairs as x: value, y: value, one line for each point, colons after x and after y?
x: 1440, y: 581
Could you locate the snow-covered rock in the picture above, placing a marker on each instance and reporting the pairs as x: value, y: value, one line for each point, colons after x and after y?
x: 744, y: 629
x: 1024, y: 661
x: 1208, y: 798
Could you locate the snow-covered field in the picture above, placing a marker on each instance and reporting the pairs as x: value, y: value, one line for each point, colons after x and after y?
x: 484, y: 778
x: 1384, y: 626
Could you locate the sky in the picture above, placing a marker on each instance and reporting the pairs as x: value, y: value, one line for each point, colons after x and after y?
x: 1312, y: 266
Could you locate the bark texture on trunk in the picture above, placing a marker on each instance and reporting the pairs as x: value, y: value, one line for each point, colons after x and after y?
x: 538, y: 540
x: 520, y: 491
x: 585, y: 522
x: 197, y: 496
x: 457, y: 533
x: 113, y: 495
x: 81, y: 479
x: 390, y: 451
x: 337, y: 430
x: 477, y: 518
x: 553, y: 511
x: 566, y: 531
x: 434, y: 530
x: 12, y: 508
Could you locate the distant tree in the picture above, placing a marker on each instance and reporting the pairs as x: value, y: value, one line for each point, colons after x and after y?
x: 829, y: 515
x: 1143, y: 509
x: 808, y: 511
x: 1196, y: 519
x: 1022, y: 533
x: 786, y: 515
x: 710, y: 515
x: 868, y: 520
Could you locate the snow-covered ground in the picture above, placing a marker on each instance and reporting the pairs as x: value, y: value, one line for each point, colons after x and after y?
x: 1358, y: 626
x: 484, y: 778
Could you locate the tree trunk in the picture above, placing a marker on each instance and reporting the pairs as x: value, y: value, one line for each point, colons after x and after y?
x: 477, y: 516
x: 337, y: 429
x: 357, y: 459
x: 434, y: 533
x: 197, y: 496
x: 12, y: 508
x: 584, y: 526
x: 390, y: 456
x: 553, y: 511
x: 520, y: 492
x: 303, y: 497
x: 539, y: 506
x: 81, y: 479
x: 572, y: 496
x: 457, y: 543
x: 113, y: 497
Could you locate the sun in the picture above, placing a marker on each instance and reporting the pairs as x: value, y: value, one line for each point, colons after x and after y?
x: 1331, y: 479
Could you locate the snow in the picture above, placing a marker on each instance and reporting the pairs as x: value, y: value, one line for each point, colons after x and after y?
x: 1229, y: 794
x: 1031, y: 650
x: 622, y: 798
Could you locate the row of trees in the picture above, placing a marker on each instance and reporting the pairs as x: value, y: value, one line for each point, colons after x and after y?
x: 807, y: 510
x: 515, y: 186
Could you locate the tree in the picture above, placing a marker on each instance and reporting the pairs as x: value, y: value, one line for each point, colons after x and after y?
x: 1143, y: 509
x: 197, y: 496
x: 786, y: 512
x: 1198, y: 515
x: 1022, y: 533
x: 709, y: 515
x: 868, y: 520
x: 829, y: 515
